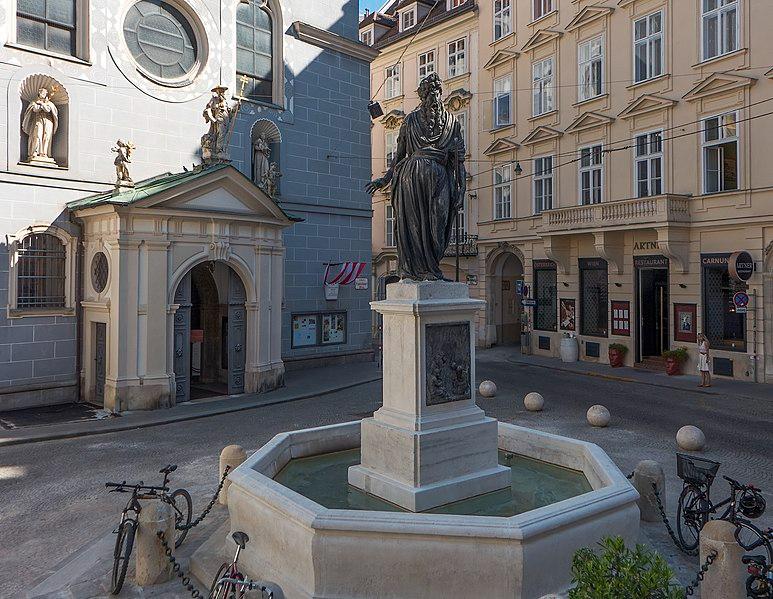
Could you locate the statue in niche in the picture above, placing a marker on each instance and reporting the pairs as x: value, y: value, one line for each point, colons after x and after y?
x: 428, y: 181
x: 270, y: 182
x: 220, y: 115
x: 40, y: 123
x: 124, y: 150
x: 262, y: 154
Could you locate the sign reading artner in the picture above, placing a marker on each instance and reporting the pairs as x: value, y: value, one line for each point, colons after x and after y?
x: 741, y: 266
x: 448, y: 363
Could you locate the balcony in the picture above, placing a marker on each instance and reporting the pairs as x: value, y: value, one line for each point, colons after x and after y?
x: 468, y: 246
x: 636, y: 213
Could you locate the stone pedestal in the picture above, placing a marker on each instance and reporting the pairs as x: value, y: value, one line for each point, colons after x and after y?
x: 429, y: 444
x: 153, y: 567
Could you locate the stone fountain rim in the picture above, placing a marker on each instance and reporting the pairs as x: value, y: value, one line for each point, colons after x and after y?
x: 611, y: 490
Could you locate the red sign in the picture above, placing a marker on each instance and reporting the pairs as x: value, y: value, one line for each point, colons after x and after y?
x: 197, y: 335
x: 621, y: 318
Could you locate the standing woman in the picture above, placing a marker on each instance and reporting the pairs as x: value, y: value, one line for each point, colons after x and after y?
x: 703, y: 360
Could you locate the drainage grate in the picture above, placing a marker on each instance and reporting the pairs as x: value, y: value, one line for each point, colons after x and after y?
x: 592, y: 350
x: 723, y: 366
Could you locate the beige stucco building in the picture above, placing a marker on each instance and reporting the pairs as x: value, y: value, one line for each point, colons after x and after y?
x: 618, y: 152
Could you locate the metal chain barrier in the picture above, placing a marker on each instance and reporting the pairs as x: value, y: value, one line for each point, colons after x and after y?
x: 185, y: 580
x: 670, y: 530
x: 206, y: 511
x: 690, y: 588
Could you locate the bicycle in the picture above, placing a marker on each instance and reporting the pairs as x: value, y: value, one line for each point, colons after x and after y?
x: 695, y: 507
x: 181, y: 503
x: 760, y: 581
x: 229, y: 582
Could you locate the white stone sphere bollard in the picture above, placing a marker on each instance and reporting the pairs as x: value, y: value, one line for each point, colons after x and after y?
x: 598, y: 416
x: 231, y: 456
x: 487, y: 389
x: 534, y: 402
x: 690, y: 438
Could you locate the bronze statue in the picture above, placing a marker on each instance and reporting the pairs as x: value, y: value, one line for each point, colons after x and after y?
x: 428, y: 182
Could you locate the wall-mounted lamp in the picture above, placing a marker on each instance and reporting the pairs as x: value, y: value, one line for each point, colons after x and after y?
x: 618, y: 284
x: 375, y: 110
x: 565, y: 284
x: 518, y: 169
x: 682, y: 286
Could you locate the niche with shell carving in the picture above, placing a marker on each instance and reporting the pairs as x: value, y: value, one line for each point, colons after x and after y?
x: 266, y: 138
x: 44, y: 122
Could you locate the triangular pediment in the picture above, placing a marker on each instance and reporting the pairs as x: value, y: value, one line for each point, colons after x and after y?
x: 588, y: 15
x: 624, y: 3
x: 224, y: 191
x: 540, y: 38
x: 718, y: 83
x: 501, y: 57
x: 646, y: 104
x: 541, y: 134
x: 589, y: 120
x: 500, y: 146
x: 393, y: 119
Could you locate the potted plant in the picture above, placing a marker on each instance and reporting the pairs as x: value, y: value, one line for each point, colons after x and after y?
x: 675, y: 358
x: 617, y: 353
x: 617, y: 571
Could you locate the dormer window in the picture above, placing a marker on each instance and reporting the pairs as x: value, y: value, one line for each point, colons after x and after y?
x: 455, y: 3
x: 408, y: 18
x: 366, y: 37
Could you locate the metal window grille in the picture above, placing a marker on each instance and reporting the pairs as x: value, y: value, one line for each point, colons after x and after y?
x: 594, y: 292
x: 47, y: 24
x: 255, y: 51
x: 724, y: 327
x: 41, y: 272
x: 546, y: 294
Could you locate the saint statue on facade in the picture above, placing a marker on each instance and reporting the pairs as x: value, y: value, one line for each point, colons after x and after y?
x: 219, y: 115
x: 428, y: 183
x: 262, y: 153
x: 40, y: 123
x: 123, y: 150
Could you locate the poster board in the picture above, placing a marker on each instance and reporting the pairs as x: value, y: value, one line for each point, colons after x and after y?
x: 621, y: 318
x: 304, y: 330
x: 568, y: 315
x: 685, y: 322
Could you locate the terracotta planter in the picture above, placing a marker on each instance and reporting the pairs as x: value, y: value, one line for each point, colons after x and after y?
x: 616, y: 358
x: 673, y: 367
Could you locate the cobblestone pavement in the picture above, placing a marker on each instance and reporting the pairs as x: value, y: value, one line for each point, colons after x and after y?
x: 54, y: 501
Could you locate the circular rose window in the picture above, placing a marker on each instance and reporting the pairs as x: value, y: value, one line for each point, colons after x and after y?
x: 99, y: 272
x: 161, y: 40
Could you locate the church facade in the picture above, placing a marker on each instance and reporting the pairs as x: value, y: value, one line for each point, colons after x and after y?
x: 175, y: 178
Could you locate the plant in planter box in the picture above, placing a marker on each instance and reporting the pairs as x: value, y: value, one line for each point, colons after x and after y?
x: 675, y: 358
x: 617, y: 353
x: 619, y: 572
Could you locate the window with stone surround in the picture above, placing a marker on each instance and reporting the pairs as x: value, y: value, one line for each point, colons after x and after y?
x: 502, y: 191
x: 648, y: 47
x: 392, y: 87
x: 503, y: 19
x: 426, y: 64
x: 591, y: 175
x: 720, y: 153
x: 389, y: 225
x: 366, y: 37
x: 49, y: 25
x: 390, y: 146
x: 648, y: 164
x: 408, y: 19
x: 503, y: 101
x: 540, y: 8
x: 457, y: 58
x: 543, y: 184
x: 720, y: 27
x: 590, y: 68
x: 255, y: 51
x: 543, y: 88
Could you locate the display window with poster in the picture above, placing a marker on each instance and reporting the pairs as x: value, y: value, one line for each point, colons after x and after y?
x: 316, y: 329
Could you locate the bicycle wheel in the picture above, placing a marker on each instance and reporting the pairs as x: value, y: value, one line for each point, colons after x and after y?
x: 751, y: 538
x: 121, y: 554
x: 691, y: 515
x: 224, y: 590
x: 182, y: 506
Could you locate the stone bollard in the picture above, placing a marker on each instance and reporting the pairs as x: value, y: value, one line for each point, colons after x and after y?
x: 153, y: 566
x: 232, y: 456
x: 646, y: 473
x: 726, y: 577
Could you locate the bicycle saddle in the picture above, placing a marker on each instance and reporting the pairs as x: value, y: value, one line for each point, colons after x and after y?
x: 240, y: 538
x: 168, y: 469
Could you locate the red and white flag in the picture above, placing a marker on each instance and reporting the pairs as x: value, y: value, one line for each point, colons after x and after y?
x: 347, y: 275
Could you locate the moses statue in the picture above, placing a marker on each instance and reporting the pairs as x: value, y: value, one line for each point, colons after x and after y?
x: 428, y: 183
x: 40, y: 123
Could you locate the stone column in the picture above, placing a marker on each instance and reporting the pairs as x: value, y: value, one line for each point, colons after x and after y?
x: 726, y: 577
x: 429, y: 444
x: 153, y: 567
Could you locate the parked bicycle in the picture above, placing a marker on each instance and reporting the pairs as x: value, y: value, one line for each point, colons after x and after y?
x: 696, y: 508
x: 229, y: 582
x: 181, y: 503
x: 760, y: 581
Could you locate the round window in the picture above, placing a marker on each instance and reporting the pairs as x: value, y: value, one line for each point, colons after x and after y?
x: 99, y: 271
x: 161, y: 40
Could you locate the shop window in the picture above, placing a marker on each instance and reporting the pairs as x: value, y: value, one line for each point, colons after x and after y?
x: 594, y: 297
x: 546, y: 294
x: 724, y: 327
x: 314, y: 330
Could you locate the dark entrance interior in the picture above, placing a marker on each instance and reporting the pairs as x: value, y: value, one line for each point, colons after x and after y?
x: 209, y: 326
x: 653, y: 312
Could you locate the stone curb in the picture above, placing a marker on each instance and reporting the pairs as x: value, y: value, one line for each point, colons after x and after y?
x: 71, y: 430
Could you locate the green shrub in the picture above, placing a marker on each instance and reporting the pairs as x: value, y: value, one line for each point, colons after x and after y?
x: 621, y: 572
x: 619, y: 347
x: 679, y: 354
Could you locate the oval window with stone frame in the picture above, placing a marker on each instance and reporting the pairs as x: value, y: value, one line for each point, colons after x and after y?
x: 162, y: 41
x: 99, y: 272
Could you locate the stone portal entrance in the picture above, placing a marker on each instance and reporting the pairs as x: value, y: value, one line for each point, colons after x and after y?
x: 652, y: 303
x: 505, y: 307
x: 210, y: 333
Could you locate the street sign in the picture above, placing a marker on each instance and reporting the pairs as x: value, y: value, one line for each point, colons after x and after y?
x: 361, y: 283
x: 529, y: 303
x: 741, y: 300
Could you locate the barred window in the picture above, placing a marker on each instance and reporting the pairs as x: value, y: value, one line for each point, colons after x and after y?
x: 255, y: 50
x: 47, y: 24
x: 594, y: 292
x: 725, y: 328
x: 546, y: 294
x: 40, y: 272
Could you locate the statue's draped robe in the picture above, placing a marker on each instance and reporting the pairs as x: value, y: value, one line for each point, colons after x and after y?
x: 428, y: 187
x: 40, y: 123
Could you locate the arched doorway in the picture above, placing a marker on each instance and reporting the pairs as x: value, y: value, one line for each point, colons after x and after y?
x: 505, y: 301
x: 209, y: 333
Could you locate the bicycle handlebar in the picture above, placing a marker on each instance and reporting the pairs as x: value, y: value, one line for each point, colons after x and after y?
x: 734, y: 483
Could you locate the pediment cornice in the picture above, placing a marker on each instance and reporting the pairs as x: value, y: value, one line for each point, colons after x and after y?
x: 718, y: 83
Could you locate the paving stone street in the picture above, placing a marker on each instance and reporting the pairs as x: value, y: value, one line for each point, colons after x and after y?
x: 55, y: 504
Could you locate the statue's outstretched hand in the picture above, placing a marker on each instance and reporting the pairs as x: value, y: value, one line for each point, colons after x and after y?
x: 374, y: 186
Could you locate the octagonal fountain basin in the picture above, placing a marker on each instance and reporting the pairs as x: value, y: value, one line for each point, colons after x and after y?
x: 316, y: 536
